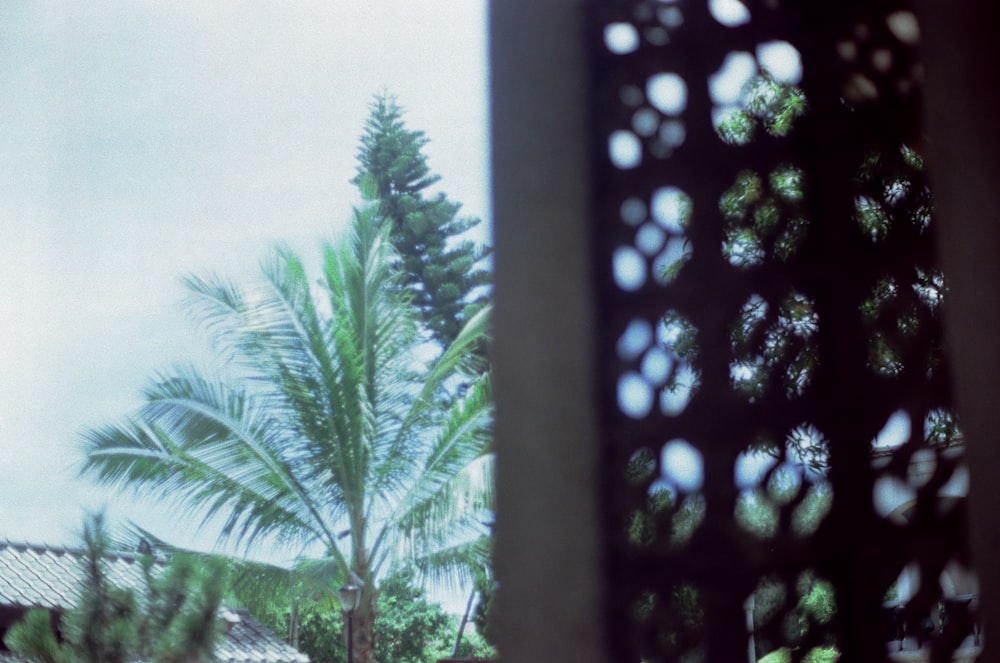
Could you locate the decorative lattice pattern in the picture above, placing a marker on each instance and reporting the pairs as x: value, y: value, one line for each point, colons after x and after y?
x: 782, y: 465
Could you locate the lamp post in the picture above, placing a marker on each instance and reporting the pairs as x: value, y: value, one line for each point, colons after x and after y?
x: 350, y: 598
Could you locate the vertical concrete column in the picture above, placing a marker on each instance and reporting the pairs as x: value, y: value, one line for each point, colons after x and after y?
x: 547, y: 552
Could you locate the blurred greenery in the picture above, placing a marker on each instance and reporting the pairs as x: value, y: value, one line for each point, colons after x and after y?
x: 409, y: 627
x: 815, y: 655
x: 173, y: 617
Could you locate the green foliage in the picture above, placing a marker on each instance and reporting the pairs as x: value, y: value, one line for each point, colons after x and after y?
x: 801, y: 605
x: 442, y: 271
x: 818, y: 601
x: 678, y: 613
x: 320, y: 632
x: 484, y: 614
x: 758, y: 510
x: 410, y: 628
x: 773, y: 343
x: 181, y: 606
x: 813, y: 509
x: 770, y: 109
x: 324, y: 432
x: 173, y: 618
x: 663, y: 514
x: 34, y: 639
x: 814, y: 655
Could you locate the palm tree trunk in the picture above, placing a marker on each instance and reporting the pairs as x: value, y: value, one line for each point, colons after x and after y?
x: 363, y: 635
x: 293, y: 625
x: 465, y: 620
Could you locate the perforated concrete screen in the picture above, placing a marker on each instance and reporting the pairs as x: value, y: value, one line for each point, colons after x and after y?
x: 782, y: 466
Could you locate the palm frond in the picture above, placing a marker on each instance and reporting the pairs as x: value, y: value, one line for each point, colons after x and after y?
x: 221, y: 474
x: 452, y: 487
x: 327, y: 421
x: 396, y: 448
x: 456, y: 565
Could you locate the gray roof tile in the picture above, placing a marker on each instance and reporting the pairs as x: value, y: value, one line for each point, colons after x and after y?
x: 48, y: 577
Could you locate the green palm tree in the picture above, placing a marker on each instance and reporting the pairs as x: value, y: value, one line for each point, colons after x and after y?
x: 328, y: 431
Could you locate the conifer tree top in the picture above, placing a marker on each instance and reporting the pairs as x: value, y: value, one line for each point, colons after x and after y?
x: 390, y: 154
x: 443, y: 270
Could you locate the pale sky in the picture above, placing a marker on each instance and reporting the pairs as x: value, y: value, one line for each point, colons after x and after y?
x: 141, y: 141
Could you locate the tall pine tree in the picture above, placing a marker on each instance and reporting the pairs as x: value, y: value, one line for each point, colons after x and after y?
x: 443, y: 271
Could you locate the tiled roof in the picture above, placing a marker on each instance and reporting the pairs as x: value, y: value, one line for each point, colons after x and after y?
x: 44, y: 577
x: 48, y: 577
x: 250, y: 641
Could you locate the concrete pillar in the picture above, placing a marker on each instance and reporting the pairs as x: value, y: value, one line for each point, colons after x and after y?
x: 548, y: 546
